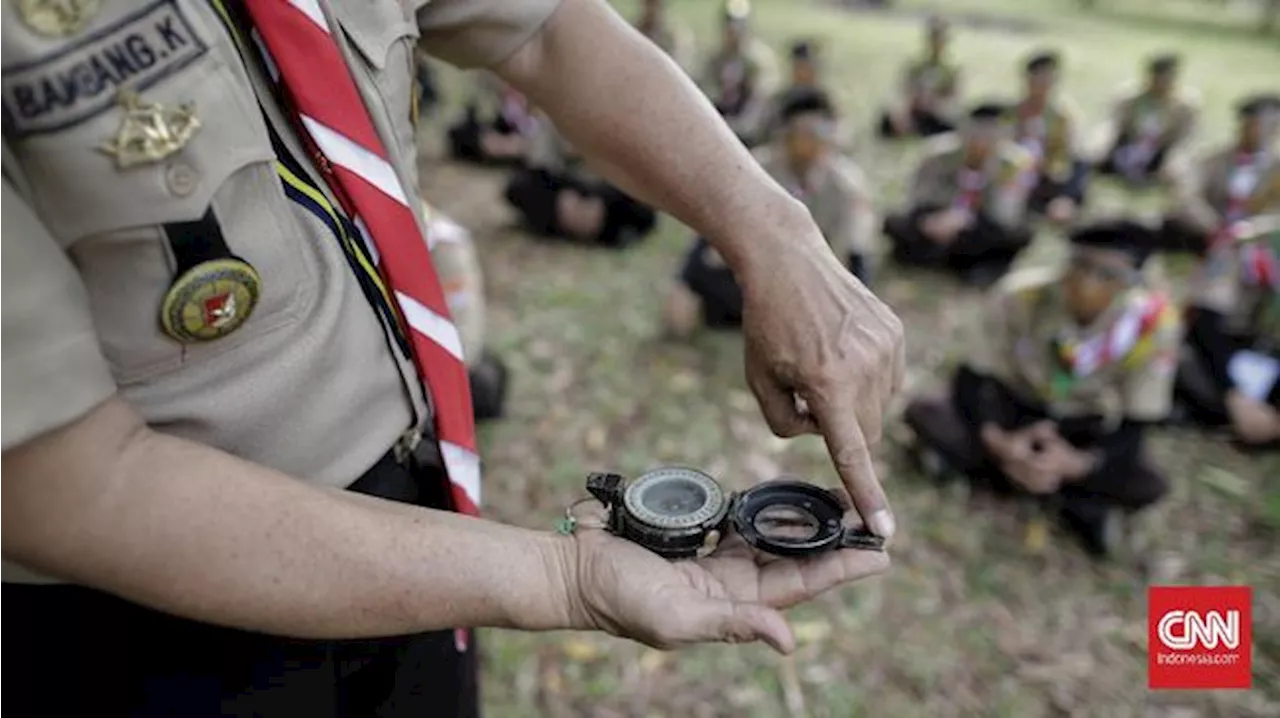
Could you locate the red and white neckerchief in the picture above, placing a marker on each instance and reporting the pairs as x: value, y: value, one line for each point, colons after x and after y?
x: 304, y: 58
x: 1139, y: 318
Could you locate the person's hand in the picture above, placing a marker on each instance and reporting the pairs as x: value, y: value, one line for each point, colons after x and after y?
x: 732, y: 596
x: 1253, y: 421
x: 1059, y: 458
x: 1026, y: 456
x: 944, y: 226
x: 824, y: 355
x: 1061, y: 210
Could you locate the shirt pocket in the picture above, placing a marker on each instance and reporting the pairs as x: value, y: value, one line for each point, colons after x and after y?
x: 384, y: 34
x: 110, y: 219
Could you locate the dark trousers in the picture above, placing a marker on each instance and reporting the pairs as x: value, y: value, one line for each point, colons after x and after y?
x: 488, y: 378
x: 926, y: 124
x: 1202, y: 382
x: 532, y: 193
x: 464, y: 139
x: 1048, y: 189
x: 716, y: 286
x: 1128, y: 484
x: 984, y: 249
x: 79, y: 652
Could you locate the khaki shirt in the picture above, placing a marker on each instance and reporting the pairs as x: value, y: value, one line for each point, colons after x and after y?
x: 937, y: 179
x: 1206, y: 191
x: 454, y: 255
x: 1141, y: 333
x: 1171, y: 120
x: 308, y: 385
x: 836, y: 194
x: 1050, y: 138
x: 1222, y: 284
x: 935, y: 83
x: 755, y: 69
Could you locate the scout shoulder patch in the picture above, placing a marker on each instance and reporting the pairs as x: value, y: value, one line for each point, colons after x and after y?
x: 81, y: 79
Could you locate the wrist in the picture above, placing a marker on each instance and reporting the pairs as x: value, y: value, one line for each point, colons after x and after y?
x: 762, y: 232
x: 558, y: 606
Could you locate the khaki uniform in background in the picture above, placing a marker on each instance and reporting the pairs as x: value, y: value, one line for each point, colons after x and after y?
x: 1026, y: 316
x: 930, y: 96
x: 837, y: 196
x: 741, y: 84
x: 1149, y: 134
x: 1225, y: 187
x: 994, y: 197
x: 937, y: 181
x: 1051, y: 140
x: 1098, y: 385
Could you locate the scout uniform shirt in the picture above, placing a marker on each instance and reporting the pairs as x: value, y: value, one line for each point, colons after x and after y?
x: 1120, y: 367
x: 836, y: 194
x: 1048, y: 137
x: 998, y: 189
x: 1150, y: 123
x: 97, y: 184
x: 740, y: 84
x: 1241, y: 281
x: 1229, y: 186
x: 934, y: 80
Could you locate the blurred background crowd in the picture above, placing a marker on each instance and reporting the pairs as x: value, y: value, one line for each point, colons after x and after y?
x: 1075, y: 208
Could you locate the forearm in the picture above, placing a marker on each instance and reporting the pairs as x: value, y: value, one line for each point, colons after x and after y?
x: 645, y: 126
x: 196, y: 532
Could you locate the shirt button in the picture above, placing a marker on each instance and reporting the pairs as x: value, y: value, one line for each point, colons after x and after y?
x: 182, y: 178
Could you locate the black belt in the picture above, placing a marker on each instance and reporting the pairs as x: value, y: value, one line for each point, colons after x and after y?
x: 416, y: 477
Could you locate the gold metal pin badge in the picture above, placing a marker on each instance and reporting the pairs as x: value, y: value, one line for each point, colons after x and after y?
x: 150, y: 131
x: 210, y: 300
x: 57, y: 18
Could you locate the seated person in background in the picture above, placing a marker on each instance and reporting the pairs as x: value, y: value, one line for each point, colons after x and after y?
x: 967, y: 202
x: 805, y: 74
x: 1151, y: 124
x: 499, y: 126
x: 805, y: 161
x: 743, y: 74
x: 1070, y: 366
x: 667, y: 33
x: 1230, y: 368
x: 1231, y: 184
x: 557, y: 195
x: 931, y: 90
x: 1045, y: 127
x: 454, y: 257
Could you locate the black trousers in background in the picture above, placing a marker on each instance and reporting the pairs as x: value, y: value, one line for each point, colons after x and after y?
x: 716, y: 286
x: 1048, y: 189
x: 532, y: 193
x: 73, y: 651
x: 1202, y: 381
x: 985, y: 248
x: 926, y: 124
x: 1128, y: 483
x: 464, y: 139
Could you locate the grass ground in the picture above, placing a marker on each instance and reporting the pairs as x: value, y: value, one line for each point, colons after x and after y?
x: 967, y: 622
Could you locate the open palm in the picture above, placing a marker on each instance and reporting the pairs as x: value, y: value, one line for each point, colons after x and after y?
x: 731, y: 596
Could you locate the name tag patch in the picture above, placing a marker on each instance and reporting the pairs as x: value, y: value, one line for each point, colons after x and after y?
x: 81, y: 80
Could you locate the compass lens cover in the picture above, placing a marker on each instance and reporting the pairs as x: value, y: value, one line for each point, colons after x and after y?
x: 789, y: 518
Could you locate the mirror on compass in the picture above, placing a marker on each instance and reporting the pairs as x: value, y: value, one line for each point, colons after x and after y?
x: 786, y: 523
